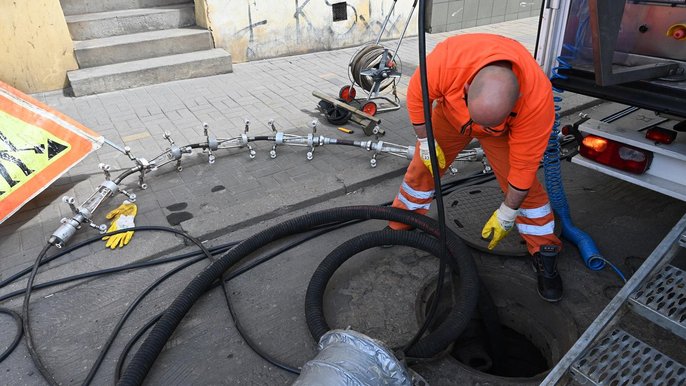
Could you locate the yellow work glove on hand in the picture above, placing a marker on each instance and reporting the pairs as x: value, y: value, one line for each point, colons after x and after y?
x: 424, y: 154
x: 499, y: 225
x: 122, y: 218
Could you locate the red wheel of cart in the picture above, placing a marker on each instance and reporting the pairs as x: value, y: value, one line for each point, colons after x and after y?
x: 370, y: 108
x: 347, y: 93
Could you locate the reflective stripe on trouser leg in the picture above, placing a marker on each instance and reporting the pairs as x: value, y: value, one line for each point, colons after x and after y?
x: 535, y: 206
x: 418, y: 184
x: 537, y: 226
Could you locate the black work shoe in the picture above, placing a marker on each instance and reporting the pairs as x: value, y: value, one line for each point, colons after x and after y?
x: 549, y: 280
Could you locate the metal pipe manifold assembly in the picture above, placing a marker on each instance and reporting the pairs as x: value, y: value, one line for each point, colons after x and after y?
x: 83, y: 214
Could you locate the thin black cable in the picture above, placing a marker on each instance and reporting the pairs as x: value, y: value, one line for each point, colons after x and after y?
x: 17, y: 336
x: 145, y: 264
x: 77, y: 277
x: 27, y: 325
x: 127, y: 313
x: 89, y: 241
x: 447, y: 187
x: 141, y: 296
x: 248, y: 340
x: 431, y: 315
x: 29, y: 287
x: 217, y: 249
x: 232, y: 275
x: 129, y: 345
x: 436, y: 176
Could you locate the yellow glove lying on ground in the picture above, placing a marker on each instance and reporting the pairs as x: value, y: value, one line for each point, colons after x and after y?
x: 424, y: 154
x: 122, y: 218
x: 499, y: 225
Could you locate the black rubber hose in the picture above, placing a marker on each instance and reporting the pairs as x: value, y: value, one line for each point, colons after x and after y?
x: 125, y: 352
x: 146, y: 355
x: 81, y: 244
x: 491, y: 321
x: 225, y: 280
x: 435, y: 341
x: 17, y: 336
x: 318, y: 231
x: 27, y: 324
x: 106, y: 271
x: 35, y: 356
x: 101, y: 356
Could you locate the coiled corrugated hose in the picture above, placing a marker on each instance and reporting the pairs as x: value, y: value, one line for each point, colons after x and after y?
x: 553, y: 183
x: 148, y: 352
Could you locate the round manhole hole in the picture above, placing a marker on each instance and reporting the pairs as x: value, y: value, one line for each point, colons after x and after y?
x: 469, y: 208
x: 515, y: 341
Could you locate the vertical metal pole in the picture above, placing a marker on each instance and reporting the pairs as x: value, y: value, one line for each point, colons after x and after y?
x: 385, y: 22
x: 407, y: 23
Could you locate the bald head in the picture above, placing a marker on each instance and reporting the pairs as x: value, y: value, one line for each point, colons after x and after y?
x: 492, y: 94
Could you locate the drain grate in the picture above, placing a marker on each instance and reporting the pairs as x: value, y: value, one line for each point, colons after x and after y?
x: 663, y: 300
x: 621, y: 359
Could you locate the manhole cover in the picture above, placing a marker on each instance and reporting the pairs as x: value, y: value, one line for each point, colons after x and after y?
x: 468, y: 209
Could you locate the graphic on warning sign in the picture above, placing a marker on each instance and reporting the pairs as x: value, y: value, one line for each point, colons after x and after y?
x: 37, y: 145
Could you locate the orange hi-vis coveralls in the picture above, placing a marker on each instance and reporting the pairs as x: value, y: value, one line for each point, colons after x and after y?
x: 514, y: 149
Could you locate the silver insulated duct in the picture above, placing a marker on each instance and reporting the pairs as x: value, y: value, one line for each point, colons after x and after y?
x: 349, y: 358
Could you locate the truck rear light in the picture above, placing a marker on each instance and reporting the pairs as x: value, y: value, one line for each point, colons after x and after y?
x: 661, y: 135
x: 615, y: 154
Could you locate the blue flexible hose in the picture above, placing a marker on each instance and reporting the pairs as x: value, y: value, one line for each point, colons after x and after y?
x: 553, y: 182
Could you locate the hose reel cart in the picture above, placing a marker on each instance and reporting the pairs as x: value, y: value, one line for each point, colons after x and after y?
x: 375, y: 70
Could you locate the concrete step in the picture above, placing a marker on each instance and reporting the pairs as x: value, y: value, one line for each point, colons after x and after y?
x: 144, y: 72
x: 143, y: 45
x: 77, y: 7
x: 112, y: 23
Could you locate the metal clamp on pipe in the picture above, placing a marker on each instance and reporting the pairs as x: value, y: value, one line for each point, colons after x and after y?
x: 82, y: 214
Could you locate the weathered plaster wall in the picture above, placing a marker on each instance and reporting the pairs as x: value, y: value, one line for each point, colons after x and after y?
x: 201, y: 13
x: 256, y: 29
x: 36, y: 50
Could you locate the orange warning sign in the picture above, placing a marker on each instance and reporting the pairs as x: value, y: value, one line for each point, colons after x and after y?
x: 37, y: 145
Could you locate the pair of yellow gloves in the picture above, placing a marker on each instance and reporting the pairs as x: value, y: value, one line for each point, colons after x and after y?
x: 122, y: 218
x: 501, y: 221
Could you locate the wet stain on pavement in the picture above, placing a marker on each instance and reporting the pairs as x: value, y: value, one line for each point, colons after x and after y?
x: 177, y: 207
x: 218, y: 188
x: 177, y: 218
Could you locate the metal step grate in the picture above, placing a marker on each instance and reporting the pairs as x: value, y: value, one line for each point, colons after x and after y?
x: 663, y: 300
x: 621, y: 359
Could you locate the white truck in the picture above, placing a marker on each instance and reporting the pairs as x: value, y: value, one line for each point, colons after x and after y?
x: 633, y: 53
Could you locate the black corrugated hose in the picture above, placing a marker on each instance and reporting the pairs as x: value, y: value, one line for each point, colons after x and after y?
x: 466, y: 293
x: 142, y: 361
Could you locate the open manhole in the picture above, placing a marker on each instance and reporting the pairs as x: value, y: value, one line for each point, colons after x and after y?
x: 518, y: 343
x: 468, y: 209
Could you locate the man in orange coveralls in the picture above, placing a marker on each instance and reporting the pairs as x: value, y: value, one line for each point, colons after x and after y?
x: 489, y: 87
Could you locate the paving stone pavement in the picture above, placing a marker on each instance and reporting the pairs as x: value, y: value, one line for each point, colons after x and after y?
x: 236, y: 190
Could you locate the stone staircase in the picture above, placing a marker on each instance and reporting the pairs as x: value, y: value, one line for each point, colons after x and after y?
x: 121, y: 44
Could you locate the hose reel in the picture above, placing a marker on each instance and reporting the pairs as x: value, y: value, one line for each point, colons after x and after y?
x: 366, y: 68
